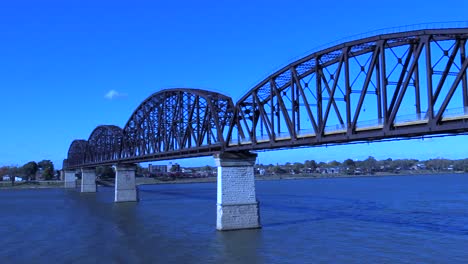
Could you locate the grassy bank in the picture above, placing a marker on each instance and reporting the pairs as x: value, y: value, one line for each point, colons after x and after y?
x: 31, y: 184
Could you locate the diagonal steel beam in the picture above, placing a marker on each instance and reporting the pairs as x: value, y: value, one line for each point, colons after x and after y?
x: 408, y: 76
x: 444, y: 105
x: 283, y: 107
x: 306, y: 102
x: 332, y: 97
x: 446, y: 70
x: 365, y: 87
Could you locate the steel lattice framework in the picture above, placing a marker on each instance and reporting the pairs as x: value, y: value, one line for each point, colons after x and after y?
x: 395, y: 85
x: 76, y: 153
x: 177, y: 122
x: 170, y: 123
x: 388, y: 86
x: 104, y: 144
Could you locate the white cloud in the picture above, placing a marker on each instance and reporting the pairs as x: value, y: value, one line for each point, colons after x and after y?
x: 112, y: 94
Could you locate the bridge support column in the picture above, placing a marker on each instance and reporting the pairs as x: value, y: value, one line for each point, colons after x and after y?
x: 125, y: 188
x: 237, y: 206
x: 70, y: 179
x: 88, y: 180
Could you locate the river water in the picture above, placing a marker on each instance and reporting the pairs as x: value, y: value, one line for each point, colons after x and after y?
x: 414, y: 219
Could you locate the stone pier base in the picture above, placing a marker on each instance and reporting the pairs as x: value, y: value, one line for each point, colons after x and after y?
x: 70, y: 179
x: 237, y: 207
x: 88, y: 180
x: 125, y: 188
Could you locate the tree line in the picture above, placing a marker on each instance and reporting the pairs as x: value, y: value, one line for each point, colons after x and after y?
x: 29, y: 171
x: 369, y: 165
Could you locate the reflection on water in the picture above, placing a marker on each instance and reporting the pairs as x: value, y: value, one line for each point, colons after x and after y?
x: 388, y: 219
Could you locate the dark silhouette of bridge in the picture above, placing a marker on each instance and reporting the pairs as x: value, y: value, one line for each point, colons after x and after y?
x: 390, y: 86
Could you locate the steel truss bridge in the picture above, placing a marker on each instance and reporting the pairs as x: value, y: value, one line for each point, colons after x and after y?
x: 389, y: 86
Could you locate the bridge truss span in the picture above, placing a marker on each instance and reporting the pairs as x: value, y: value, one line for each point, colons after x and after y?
x: 177, y: 122
x: 76, y: 153
x: 104, y: 144
x: 394, y: 85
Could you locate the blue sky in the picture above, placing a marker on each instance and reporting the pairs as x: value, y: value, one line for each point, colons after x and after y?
x: 59, y: 59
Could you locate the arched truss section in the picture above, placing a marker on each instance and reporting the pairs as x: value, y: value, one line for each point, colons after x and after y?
x: 76, y: 153
x: 395, y: 85
x: 104, y: 144
x: 177, y: 122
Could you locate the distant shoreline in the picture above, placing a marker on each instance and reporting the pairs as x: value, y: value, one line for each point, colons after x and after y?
x: 149, y: 181
x: 152, y: 181
x: 31, y: 185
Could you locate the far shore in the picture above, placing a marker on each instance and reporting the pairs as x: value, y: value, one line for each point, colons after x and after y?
x: 147, y: 181
x: 152, y: 181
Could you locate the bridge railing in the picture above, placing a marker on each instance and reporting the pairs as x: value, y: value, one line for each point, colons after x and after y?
x: 402, y: 119
x: 306, y: 133
x: 335, y: 128
x: 455, y: 112
x: 369, y: 124
x: 383, y: 31
x: 390, y: 30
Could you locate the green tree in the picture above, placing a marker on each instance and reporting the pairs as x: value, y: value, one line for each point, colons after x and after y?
x: 278, y: 170
x: 4, y: 170
x: 349, y: 163
x: 334, y: 163
x: 438, y: 164
x: 370, y: 164
x: 30, y: 169
x: 48, y: 173
x: 47, y: 168
x: 297, y: 167
x: 310, y: 164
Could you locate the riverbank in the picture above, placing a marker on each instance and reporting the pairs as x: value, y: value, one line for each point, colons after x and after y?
x: 31, y: 185
x: 152, y: 181
x: 145, y: 181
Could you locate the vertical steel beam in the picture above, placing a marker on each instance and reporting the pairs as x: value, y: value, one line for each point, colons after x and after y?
x: 348, y: 91
x: 429, y: 72
x: 464, y: 78
x: 293, y: 110
x: 296, y: 105
x: 254, y: 117
x: 417, y: 88
x: 318, y: 84
x: 272, y: 113
x: 378, y: 91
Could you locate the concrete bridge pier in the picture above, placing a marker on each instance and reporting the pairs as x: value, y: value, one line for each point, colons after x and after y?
x: 70, y: 179
x: 125, y: 187
x: 88, y: 180
x: 237, y: 205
